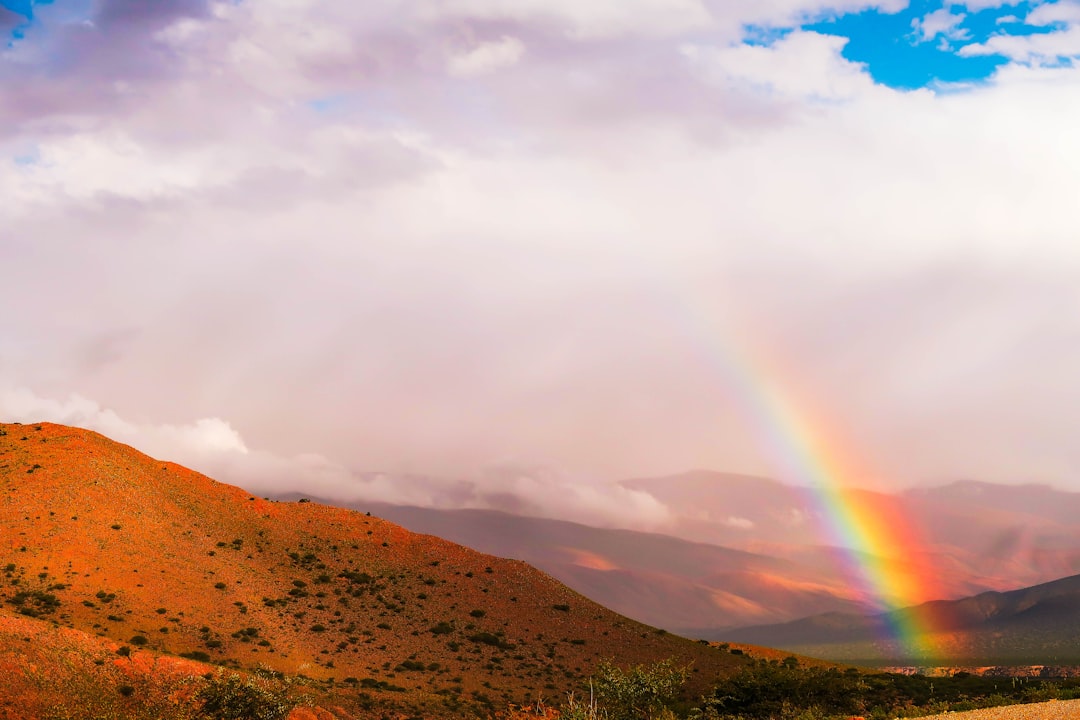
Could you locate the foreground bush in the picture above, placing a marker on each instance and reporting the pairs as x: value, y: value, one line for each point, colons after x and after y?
x: 227, y: 696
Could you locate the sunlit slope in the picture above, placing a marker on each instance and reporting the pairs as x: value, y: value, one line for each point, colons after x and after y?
x: 99, y: 537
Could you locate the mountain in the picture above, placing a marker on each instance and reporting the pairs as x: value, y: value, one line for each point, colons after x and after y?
x: 745, y: 550
x: 106, y: 548
x: 968, y: 536
x: 1034, y: 625
x: 658, y: 579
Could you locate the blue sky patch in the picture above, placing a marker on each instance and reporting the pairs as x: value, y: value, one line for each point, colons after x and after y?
x: 919, y: 46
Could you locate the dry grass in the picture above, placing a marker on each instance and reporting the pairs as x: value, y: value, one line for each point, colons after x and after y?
x: 132, y: 548
x: 1053, y: 710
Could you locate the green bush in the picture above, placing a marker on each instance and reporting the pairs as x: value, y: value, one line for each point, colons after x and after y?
x: 227, y: 696
x: 638, y: 693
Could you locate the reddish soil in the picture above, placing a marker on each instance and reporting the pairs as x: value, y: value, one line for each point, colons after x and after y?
x: 124, y: 550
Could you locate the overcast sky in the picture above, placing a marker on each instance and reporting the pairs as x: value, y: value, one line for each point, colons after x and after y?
x: 544, y: 245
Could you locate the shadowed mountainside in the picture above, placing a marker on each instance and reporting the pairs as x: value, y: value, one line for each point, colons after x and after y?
x: 657, y: 579
x: 1034, y: 625
x: 967, y: 537
x: 102, y: 539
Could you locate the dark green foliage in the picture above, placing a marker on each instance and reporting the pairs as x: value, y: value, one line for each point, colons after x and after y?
x: 486, y: 638
x: 767, y: 690
x: 228, y: 696
x: 35, y: 603
x: 770, y: 690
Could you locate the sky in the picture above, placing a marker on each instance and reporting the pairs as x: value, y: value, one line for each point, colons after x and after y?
x: 454, y: 252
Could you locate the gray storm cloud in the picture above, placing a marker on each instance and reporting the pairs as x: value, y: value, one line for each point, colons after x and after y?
x: 417, y: 240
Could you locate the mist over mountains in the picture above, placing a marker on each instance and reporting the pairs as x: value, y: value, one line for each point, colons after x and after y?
x: 742, y: 551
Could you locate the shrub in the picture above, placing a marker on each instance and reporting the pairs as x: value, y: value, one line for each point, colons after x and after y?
x: 231, y: 697
x: 486, y: 638
x: 640, y: 692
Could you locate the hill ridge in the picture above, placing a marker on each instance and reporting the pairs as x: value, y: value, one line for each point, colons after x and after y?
x: 109, y: 541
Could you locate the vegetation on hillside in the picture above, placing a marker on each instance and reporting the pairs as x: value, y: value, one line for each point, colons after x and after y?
x: 158, y: 561
x: 786, y: 690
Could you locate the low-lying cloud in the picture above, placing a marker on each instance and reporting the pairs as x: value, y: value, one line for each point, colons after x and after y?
x: 212, y: 446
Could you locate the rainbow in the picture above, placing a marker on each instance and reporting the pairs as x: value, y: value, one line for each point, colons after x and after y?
x: 878, y: 542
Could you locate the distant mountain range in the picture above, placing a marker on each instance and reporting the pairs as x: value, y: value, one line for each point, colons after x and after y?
x: 1037, y: 625
x: 658, y: 579
x: 745, y: 551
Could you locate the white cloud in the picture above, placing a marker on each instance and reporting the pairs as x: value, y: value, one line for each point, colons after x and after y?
x: 739, y: 522
x: 203, y: 438
x: 1038, y: 49
x: 942, y: 22
x: 802, y: 65
x: 487, y: 57
x: 212, y: 446
x: 977, y: 5
x: 363, y: 263
x: 599, y: 18
x: 1063, y: 11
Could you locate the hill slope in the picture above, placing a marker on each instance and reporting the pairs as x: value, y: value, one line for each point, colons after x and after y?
x: 658, y: 579
x: 103, y: 539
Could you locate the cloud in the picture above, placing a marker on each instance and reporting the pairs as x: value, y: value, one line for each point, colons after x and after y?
x: 487, y: 57
x: 1040, y: 49
x: 1064, y: 11
x: 9, y: 19
x: 800, y: 66
x: 940, y: 23
x: 213, y: 446
x: 599, y: 258
x: 977, y: 5
x: 202, y: 438
x: 1051, y: 48
x: 602, y: 18
x: 739, y: 522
